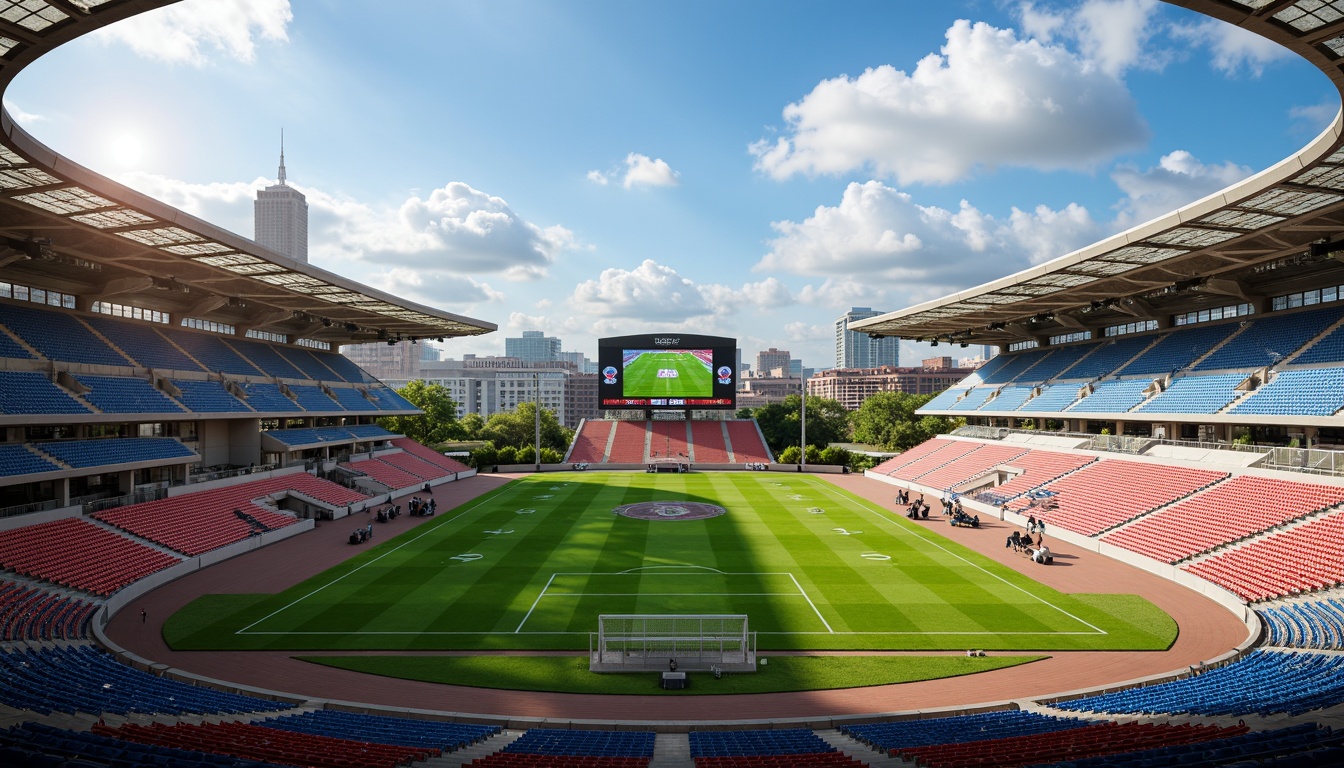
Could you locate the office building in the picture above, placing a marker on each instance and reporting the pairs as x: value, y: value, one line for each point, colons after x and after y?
x: 280, y: 217
x: 858, y: 350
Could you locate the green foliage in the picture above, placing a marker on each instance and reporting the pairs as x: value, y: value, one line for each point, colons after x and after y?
x: 485, y: 457
x: 527, y: 455
x: 517, y: 428
x: 827, y: 422
x: 858, y: 462
x: 789, y: 455
x: 888, y: 419
x: 470, y: 425
x: 507, y: 455
x: 439, y: 421
x: 551, y: 456
x: 832, y: 454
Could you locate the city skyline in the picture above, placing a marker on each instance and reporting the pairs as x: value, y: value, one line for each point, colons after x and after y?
x: 589, y: 171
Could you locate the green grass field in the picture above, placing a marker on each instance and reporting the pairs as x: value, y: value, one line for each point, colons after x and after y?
x: 532, y: 564
x: 693, y: 378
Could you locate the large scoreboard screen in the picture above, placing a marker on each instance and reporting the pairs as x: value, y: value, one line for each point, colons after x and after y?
x: 667, y: 371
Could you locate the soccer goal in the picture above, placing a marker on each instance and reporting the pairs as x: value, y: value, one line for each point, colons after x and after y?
x: 642, y: 642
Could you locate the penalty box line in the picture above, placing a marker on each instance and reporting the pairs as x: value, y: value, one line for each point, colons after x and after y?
x: 801, y: 592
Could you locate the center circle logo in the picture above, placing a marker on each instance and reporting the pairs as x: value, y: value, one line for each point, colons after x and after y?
x: 669, y: 510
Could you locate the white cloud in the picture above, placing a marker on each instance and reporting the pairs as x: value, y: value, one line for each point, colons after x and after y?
x: 1112, y: 33
x: 1233, y: 49
x: 988, y: 100
x: 642, y: 171
x: 1179, y: 178
x: 22, y: 117
x: 841, y: 293
x: 651, y: 290
x: 432, y: 290
x: 189, y: 32
x: 598, y: 177
x: 802, y: 332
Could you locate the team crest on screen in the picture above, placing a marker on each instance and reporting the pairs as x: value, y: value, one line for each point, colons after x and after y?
x: 725, y: 374
x: 609, y: 375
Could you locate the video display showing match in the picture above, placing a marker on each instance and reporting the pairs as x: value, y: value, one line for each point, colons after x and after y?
x: 667, y: 371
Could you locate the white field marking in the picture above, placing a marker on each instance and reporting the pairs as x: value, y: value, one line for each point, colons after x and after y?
x: 824, y: 623
x: 428, y: 530
x: 881, y: 515
x: 678, y: 567
x: 418, y: 632
x: 540, y: 595
x: 675, y: 594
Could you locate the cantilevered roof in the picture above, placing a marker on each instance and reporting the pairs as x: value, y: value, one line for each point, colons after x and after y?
x: 1248, y: 241
x: 64, y: 227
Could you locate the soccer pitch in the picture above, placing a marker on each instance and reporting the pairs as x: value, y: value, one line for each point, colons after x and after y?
x: 533, y: 564
x: 668, y: 374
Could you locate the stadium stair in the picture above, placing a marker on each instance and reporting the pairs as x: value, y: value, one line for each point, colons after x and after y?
x: 852, y: 747
x: 480, y: 749
x: 672, y: 750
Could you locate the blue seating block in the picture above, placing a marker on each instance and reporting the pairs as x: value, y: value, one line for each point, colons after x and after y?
x: 143, y: 343
x: 312, y: 398
x: 33, y: 392
x: 58, y: 335
x: 115, y: 450
x: 1196, y: 394
x: 554, y: 741
x: 1112, y: 397
x: 18, y: 460
x: 1305, y: 392
x: 1267, y: 340
x: 1178, y: 349
x: 376, y: 729
x: 123, y: 394
x: 209, y: 397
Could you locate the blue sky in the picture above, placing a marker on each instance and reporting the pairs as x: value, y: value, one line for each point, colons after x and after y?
x: 749, y: 168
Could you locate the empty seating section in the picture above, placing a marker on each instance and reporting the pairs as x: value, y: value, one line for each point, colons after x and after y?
x: 1329, y: 349
x: 424, y: 734
x: 1109, y: 356
x: 1267, y: 340
x: 122, y: 394
x: 1057, y: 363
x: 562, y: 748
x: 710, y: 445
x: 1231, y: 510
x: 908, y: 734
x: 265, y: 357
x: 341, y: 366
x: 267, y: 398
x: 747, y: 444
x: 312, y: 398
x: 115, y: 450
x: 629, y: 445
x: 1038, y: 468
x: 352, y: 400
x: 1281, y: 747
x: 194, y: 523
x: 78, y: 554
x: 256, y: 742
x: 1109, y: 492
x: 208, y: 397
x: 990, y: 368
x: 914, y: 454
x: 947, y: 453
x: 1262, y: 682
x: 429, y: 455
x: 413, y: 465
x: 778, y: 747
x: 1112, y: 396
x: 392, y: 477
x: 1309, y: 392
x: 1301, y: 558
x: 11, y: 349
x: 1317, y: 623
x: 212, y: 353
x: 18, y: 460
x: 973, y: 399
x: 387, y: 399
x: 33, y: 392
x: 59, y: 336
x: 143, y: 343
x: 81, y: 678
x: 590, y: 444
x: 1014, y: 366
x: 1053, y: 397
x: 28, y: 613
x: 944, y: 400
x: 1196, y: 394
x: 1178, y: 349
x: 1009, y: 399
x: 33, y: 744
x: 314, y: 435
x: 306, y: 362
x: 668, y: 440
x: 973, y: 464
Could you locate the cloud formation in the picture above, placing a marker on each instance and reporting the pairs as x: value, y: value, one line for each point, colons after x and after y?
x: 188, y: 33
x: 1233, y: 50
x: 640, y: 171
x: 1179, y: 178
x: 1114, y: 34
x: 988, y: 100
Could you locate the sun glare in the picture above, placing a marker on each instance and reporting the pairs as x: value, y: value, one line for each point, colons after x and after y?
x: 127, y: 149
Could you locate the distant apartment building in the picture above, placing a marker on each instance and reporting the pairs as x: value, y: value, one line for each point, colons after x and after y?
x: 580, y: 399
x: 851, y: 386
x: 936, y: 363
x: 767, y: 360
x: 392, y: 362
x: 533, y: 347
x: 490, y: 385
x: 854, y: 349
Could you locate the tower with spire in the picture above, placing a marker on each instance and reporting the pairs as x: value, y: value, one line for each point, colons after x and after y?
x: 280, y: 216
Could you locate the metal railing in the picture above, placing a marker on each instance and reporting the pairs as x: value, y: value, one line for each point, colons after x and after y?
x: 27, y: 509
x: 220, y: 474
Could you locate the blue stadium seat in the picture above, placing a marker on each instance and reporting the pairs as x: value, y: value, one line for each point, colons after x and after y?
x: 1307, y: 392
x: 267, y: 398
x: 973, y: 399
x: 1196, y: 394
x: 1010, y: 399
x: 1053, y: 397
x: 212, y: 352
x: 59, y: 335
x: 1112, y: 397
x: 33, y: 392
x: 18, y: 460
x: 1178, y: 349
x: 115, y: 450
x: 143, y: 342
x: 9, y: 348
x: 953, y: 730
x: 209, y: 397
x: 304, y: 360
x: 387, y: 399
x: 1267, y: 340
x: 1110, y: 355
x: 427, y: 734
x: 310, y: 397
x: 1057, y: 363
x: 267, y: 359
x: 352, y: 400
x: 122, y: 394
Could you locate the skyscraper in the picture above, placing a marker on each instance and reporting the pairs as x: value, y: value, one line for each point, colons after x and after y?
x: 533, y: 347
x: 857, y: 350
x: 280, y: 216
x: 769, y: 359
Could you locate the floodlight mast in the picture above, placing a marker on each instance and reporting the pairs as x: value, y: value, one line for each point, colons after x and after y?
x: 537, y: 415
x: 802, y: 419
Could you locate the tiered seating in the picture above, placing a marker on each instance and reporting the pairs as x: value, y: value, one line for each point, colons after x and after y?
x: 208, y: 397
x: 33, y: 392
x: 975, y: 463
x: 35, y: 744
x: 427, y: 454
x: 1282, y: 747
x: 1009, y: 399
x: 255, y: 742
x: 1268, y: 340
x: 710, y: 447
x: 143, y: 343
x: 1053, y: 397
x: 423, y: 734
x: 794, y: 747
x: 1309, y: 392
x: 387, y: 399
x: 413, y: 464
x: 669, y: 439
x: 944, y: 400
x: 946, y: 454
x: 1178, y: 349
x: 1109, y: 492
x: 565, y: 748
x: 590, y: 444
x: 81, y: 678
x: 18, y: 460
x: 1301, y: 558
x: 1196, y: 394
x: 973, y: 399
x: 266, y: 358
x: 199, y: 522
x: 909, y: 457
x: 747, y: 443
x: 122, y: 394
x: 78, y: 554
x: 628, y: 447
x: 990, y: 368
x: 1229, y: 511
x: 1057, y: 363
x: 339, y: 364
x: 212, y: 352
x: 1112, y: 396
x: 390, y: 476
x: 1329, y: 349
x: 908, y: 734
x: 1307, y: 624
x: 115, y: 450
x: 1013, y: 367
x: 27, y: 613
x: 11, y: 349
x: 1073, y: 744
x: 268, y: 398
x: 1263, y: 682
x: 1039, y: 468
x: 352, y: 400
x: 1110, y: 356
x: 311, y: 435
x: 58, y: 336
x: 308, y: 363
x: 312, y: 398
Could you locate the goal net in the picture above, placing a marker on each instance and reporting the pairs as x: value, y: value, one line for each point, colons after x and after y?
x: 642, y: 642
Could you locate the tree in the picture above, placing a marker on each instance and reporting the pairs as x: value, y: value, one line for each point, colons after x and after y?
x: 437, y: 424
x: 470, y: 425
x: 888, y: 420
x: 517, y: 428
x: 484, y: 457
x: 827, y: 422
